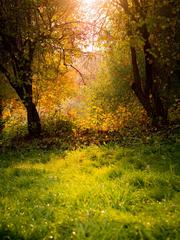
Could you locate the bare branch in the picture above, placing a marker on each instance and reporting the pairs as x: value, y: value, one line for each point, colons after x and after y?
x: 77, y: 70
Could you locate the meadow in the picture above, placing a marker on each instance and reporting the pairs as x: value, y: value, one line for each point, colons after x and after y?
x: 99, y: 192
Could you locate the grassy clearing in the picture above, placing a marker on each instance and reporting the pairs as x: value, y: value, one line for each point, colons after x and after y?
x: 95, y: 192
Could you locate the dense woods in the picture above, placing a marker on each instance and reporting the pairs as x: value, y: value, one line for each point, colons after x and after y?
x: 89, y: 119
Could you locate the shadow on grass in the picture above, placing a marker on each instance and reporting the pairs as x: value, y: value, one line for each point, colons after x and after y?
x: 140, y: 151
x: 6, y: 234
x: 31, y: 153
x: 17, y: 182
x: 94, y: 229
x: 39, y: 150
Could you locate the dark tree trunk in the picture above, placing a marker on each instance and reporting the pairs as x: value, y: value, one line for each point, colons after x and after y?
x: 160, y: 116
x: 34, y: 125
x: 24, y: 91
x: 149, y: 60
x: 154, y: 106
x: 137, y: 86
x: 33, y: 120
x: 23, y: 88
x: 146, y: 92
x: 19, y: 49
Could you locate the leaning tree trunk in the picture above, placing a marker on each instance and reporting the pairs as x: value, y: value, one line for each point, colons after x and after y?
x: 34, y: 125
x: 24, y: 91
x: 19, y: 72
x: 137, y: 85
x: 23, y: 88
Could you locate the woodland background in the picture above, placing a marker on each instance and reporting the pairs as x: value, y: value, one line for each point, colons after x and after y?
x: 89, y: 119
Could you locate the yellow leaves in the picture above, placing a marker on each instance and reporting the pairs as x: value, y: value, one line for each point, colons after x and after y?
x: 99, y: 119
x: 14, y: 114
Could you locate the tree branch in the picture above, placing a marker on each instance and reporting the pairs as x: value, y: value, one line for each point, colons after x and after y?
x: 77, y: 70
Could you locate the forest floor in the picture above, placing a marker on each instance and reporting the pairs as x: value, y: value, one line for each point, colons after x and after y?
x: 106, y: 191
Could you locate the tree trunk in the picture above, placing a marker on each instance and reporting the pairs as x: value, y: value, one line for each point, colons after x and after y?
x: 153, y: 106
x: 24, y: 91
x: 147, y: 91
x: 160, y: 116
x: 137, y: 86
x: 19, y: 73
x: 34, y: 125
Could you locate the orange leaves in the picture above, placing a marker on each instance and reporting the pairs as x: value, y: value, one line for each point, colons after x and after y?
x: 96, y: 118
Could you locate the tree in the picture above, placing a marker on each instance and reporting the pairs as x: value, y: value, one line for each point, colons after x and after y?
x: 29, y: 28
x: 150, y: 27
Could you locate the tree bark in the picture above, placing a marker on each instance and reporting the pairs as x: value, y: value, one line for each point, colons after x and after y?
x: 34, y: 125
x: 24, y: 91
x: 154, y: 106
x: 33, y: 120
x: 160, y: 116
x: 136, y: 85
x: 23, y: 88
x: 159, y: 113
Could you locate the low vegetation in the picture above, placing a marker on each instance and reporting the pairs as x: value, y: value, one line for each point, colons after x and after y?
x: 108, y: 191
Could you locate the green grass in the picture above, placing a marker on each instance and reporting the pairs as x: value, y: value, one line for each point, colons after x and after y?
x: 96, y: 192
